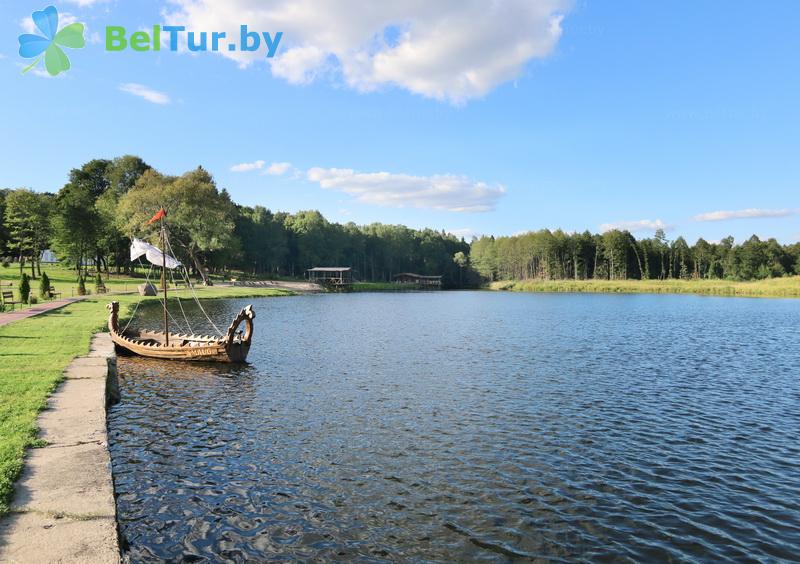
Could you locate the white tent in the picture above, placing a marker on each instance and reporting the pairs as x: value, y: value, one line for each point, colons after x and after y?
x: 48, y: 257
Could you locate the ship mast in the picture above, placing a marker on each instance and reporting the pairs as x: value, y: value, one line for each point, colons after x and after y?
x: 164, y: 279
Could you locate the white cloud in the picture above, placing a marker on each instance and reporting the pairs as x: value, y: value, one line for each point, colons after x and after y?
x: 278, y: 169
x: 633, y: 226
x: 148, y: 94
x: 451, y: 50
x: 299, y: 65
x: 744, y: 214
x: 85, y: 3
x: 247, y: 167
x: 466, y: 233
x: 439, y: 192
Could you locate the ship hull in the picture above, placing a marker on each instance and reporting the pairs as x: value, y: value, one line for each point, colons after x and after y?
x: 232, y: 347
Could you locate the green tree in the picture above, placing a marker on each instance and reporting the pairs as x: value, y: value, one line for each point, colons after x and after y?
x: 27, y: 218
x: 703, y: 254
x: 200, y: 217
x: 76, y: 225
x: 681, y: 256
x: 462, y: 260
x: 24, y: 287
x: 263, y: 238
x: 615, y: 251
x: 121, y: 175
x: 44, y: 286
x: 3, y: 230
x: 483, y: 254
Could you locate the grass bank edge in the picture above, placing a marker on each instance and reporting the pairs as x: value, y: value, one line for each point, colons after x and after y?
x: 787, y: 287
x: 35, y: 351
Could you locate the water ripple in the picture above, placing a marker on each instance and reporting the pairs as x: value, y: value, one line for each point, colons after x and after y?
x: 471, y: 426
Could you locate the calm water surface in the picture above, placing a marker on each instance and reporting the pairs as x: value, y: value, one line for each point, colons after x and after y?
x: 471, y: 426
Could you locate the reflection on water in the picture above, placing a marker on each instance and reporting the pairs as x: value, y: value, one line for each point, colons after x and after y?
x: 471, y: 426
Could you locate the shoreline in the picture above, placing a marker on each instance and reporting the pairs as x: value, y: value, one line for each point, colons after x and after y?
x: 64, y: 507
x: 788, y: 287
x: 35, y: 353
x: 63, y: 494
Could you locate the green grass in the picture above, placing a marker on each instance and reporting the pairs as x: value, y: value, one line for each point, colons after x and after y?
x: 380, y: 287
x: 773, y: 287
x: 33, y: 354
x: 65, y: 280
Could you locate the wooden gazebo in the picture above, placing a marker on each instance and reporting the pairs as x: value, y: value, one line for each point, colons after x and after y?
x: 339, y: 276
x: 422, y: 281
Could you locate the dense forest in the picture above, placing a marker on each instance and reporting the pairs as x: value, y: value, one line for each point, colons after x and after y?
x: 617, y: 255
x: 105, y: 202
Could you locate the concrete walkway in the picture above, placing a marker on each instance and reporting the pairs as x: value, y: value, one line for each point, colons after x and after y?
x: 16, y: 315
x: 63, y: 508
x: 299, y: 287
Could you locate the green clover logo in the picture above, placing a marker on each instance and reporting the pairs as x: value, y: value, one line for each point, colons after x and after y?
x: 55, y: 60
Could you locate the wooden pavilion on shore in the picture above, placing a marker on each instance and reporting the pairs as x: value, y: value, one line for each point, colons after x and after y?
x: 336, y: 276
x: 419, y: 280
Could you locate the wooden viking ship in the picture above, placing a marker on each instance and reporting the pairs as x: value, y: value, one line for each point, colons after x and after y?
x: 233, y: 346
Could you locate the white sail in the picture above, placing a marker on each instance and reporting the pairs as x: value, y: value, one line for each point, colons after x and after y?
x: 153, y: 254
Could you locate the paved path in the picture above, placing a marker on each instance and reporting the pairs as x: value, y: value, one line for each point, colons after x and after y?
x: 63, y: 508
x: 299, y: 287
x: 16, y: 315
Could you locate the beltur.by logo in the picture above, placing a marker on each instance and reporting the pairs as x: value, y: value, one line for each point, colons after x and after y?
x: 117, y: 40
x: 48, y: 45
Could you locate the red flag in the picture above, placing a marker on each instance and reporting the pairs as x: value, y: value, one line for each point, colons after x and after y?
x: 161, y: 213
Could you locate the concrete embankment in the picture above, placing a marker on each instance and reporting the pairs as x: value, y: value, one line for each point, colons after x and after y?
x: 64, y: 509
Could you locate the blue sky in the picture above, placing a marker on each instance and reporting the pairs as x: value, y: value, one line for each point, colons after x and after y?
x: 579, y: 115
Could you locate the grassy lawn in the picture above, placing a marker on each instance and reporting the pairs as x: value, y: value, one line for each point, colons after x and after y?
x: 380, y: 287
x: 64, y: 280
x: 773, y: 287
x: 33, y: 354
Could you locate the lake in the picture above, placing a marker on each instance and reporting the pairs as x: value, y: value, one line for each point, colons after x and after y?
x: 473, y: 426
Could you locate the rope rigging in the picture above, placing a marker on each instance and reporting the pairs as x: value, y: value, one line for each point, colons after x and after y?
x: 185, y: 275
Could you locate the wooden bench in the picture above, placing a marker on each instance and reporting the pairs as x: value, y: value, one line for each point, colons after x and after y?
x: 8, y: 299
x: 51, y: 292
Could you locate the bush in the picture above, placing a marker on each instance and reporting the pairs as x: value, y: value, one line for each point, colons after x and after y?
x: 44, y: 286
x: 32, y: 300
x: 24, y: 288
x: 81, y: 286
x: 6, y: 263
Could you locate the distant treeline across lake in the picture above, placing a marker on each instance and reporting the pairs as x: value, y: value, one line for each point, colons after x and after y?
x: 106, y: 201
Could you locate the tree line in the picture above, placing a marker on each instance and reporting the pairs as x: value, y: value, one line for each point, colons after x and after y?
x: 106, y: 202
x: 617, y: 255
